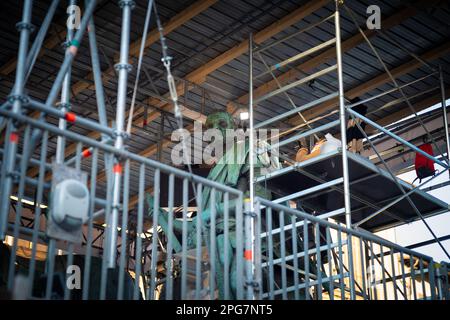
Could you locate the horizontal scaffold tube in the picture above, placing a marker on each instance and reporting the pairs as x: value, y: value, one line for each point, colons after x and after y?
x: 296, y: 110
x: 120, y: 153
x: 396, y: 137
x: 300, y: 136
x: 90, y: 124
x: 357, y: 233
x: 309, y: 27
x: 295, y: 84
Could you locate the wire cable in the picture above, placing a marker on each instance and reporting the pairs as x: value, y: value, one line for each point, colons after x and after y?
x: 166, y: 59
x: 138, y: 72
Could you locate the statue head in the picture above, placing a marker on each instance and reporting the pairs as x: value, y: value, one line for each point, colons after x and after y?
x: 221, y: 121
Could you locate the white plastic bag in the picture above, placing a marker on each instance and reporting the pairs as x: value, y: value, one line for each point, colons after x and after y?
x: 332, y: 144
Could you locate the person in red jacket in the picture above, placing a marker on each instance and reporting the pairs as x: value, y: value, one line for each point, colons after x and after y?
x: 424, y: 166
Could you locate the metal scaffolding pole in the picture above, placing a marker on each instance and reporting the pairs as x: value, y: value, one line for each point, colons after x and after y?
x: 71, y: 52
x: 343, y: 127
x: 34, y: 50
x: 12, y: 136
x: 123, y: 67
x: 343, y: 120
x: 394, y: 81
x: 251, y: 127
x: 402, y: 189
x: 65, y: 95
x: 249, y: 209
x: 99, y: 92
x: 37, y: 42
x: 444, y: 110
x: 398, y: 138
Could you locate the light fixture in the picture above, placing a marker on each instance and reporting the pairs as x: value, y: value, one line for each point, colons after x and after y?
x: 29, y: 202
x: 244, y: 115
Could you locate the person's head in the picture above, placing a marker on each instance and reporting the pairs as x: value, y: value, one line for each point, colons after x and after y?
x: 221, y: 121
x: 360, y: 108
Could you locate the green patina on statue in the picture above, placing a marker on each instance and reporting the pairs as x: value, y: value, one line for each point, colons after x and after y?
x: 231, y: 170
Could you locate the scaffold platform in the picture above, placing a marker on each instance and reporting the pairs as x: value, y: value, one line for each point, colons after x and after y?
x: 316, y: 185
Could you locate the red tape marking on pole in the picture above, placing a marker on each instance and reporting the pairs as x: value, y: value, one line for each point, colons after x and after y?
x: 86, y: 153
x: 248, y: 254
x: 70, y: 116
x: 14, y: 137
x: 117, y: 168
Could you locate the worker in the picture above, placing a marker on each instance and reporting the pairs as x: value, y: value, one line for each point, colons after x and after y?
x: 354, y: 134
x: 301, y: 152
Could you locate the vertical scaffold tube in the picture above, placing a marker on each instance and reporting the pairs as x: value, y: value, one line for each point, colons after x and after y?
x: 12, y: 136
x: 65, y: 94
x: 444, y: 110
x: 248, y: 249
x: 99, y: 92
x: 58, y: 82
x: 250, y: 110
x: 343, y: 127
x: 249, y: 203
x: 342, y: 117
x: 122, y: 68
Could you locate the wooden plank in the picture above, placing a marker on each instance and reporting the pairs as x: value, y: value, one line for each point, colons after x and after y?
x: 198, y: 75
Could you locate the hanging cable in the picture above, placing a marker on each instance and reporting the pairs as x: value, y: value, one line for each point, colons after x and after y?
x: 138, y: 71
x: 166, y: 59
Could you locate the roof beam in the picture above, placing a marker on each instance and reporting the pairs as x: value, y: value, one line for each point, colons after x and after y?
x: 198, y: 76
x: 328, y: 54
x: 331, y: 105
x: 404, y: 112
x: 152, y: 37
x: 374, y: 83
x: 414, y: 131
x: 48, y: 44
